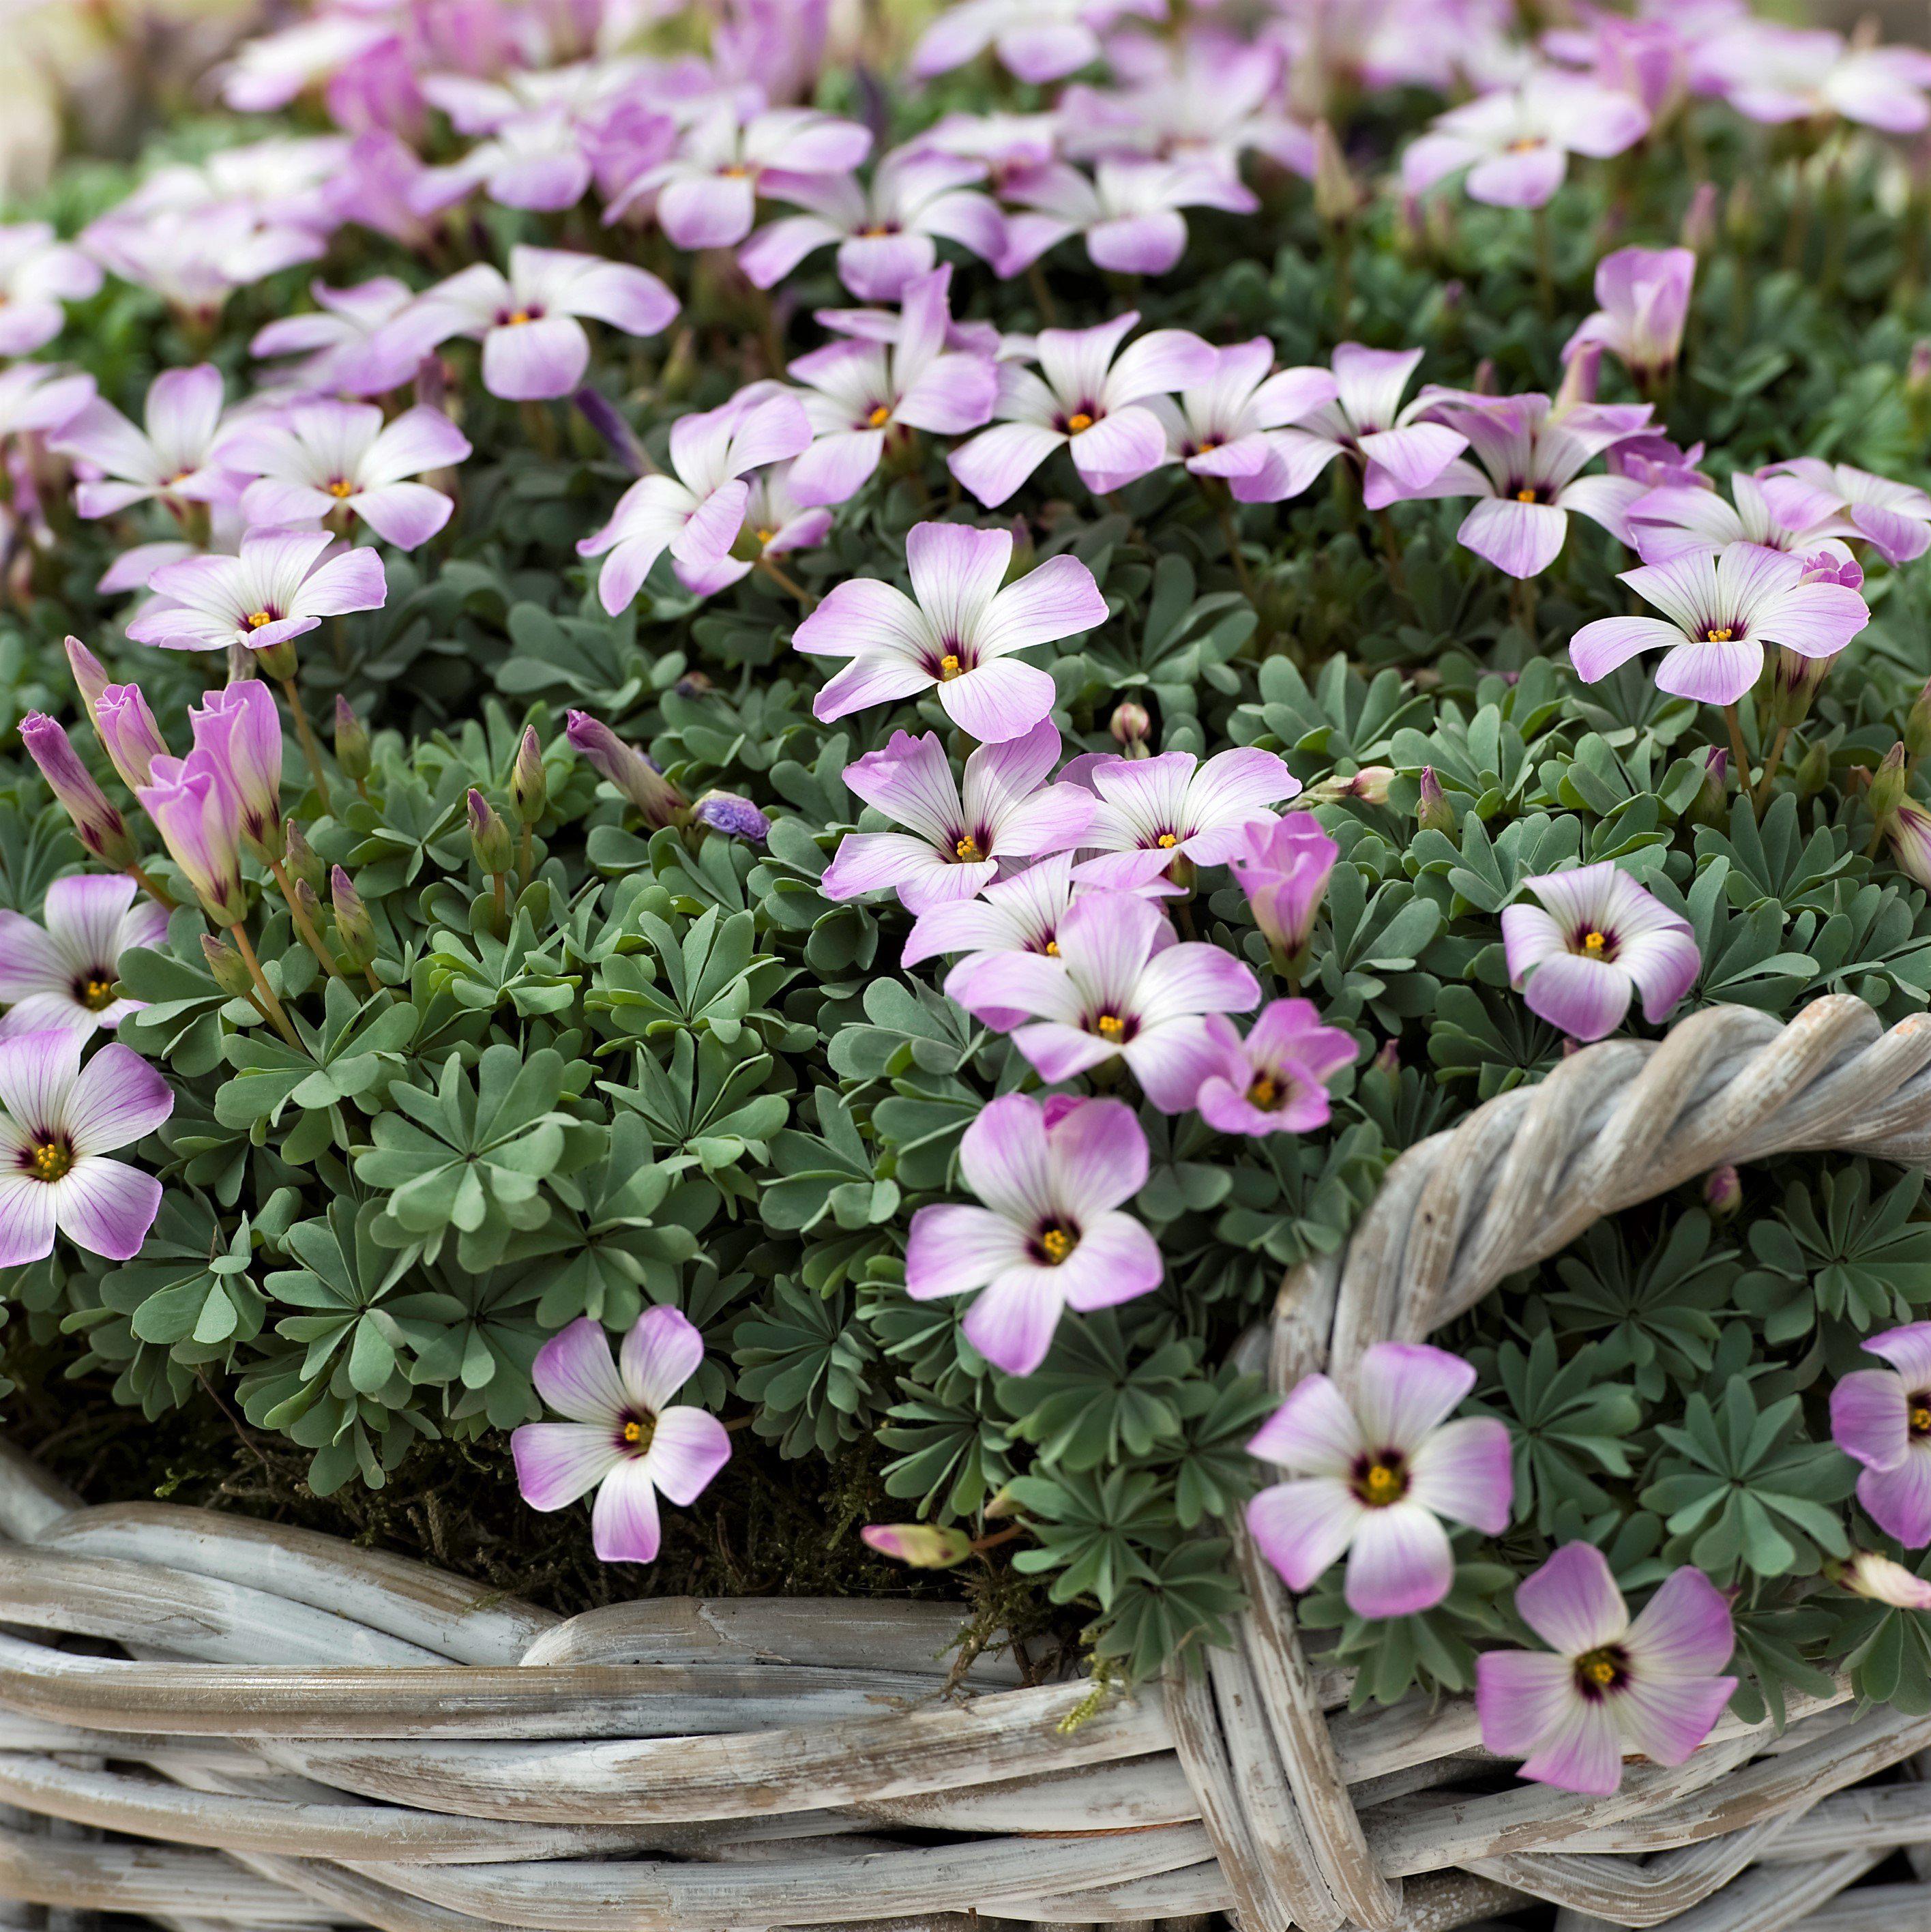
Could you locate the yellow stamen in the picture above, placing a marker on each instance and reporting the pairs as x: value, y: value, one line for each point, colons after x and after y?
x: 948, y: 665
x: 341, y: 487
x: 876, y: 229
x: 52, y: 1160
x: 1525, y: 496
x: 1719, y: 634
x: 257, y: 619
x: 517, y: 317
x: 734, y: 171
x: 764, y: 533
x: 1263, y: 1093
x: 1058, y: 1244
x: 1599, y: 1670
x: 1166, y: 841
x: 1078, y: 421
x: 1594, y: 942
x: 1052, y: 949
x: 1920, y: 1420
x: 637, y: 1434
x: 880, y: 415
x: 1110, y: 1026
x: 968, y: 849
x: 96, y: 993
x: 1382, y: 1485
x: 1525, y: 144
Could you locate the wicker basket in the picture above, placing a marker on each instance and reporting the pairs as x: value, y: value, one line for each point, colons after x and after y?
x: 296, y: 1733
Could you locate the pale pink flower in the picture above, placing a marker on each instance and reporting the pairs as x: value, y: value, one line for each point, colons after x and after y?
x: 65, y: 969
x: 38, y: 275
x: 1275, y: 1081
x: 1154, y: 811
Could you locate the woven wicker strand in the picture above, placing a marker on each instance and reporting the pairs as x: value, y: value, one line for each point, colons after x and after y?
x: 298, y: 1734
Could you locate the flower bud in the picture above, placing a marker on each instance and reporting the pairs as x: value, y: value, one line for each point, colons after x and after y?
x: 90, y: 675
x: 1336, y: 195
x: 1887, y: 783
x: 1699, y: 220
x: 489, y: 836
x: 1794, y: 682
x: 1283, y: 866
x: 101, y: 828
x: 128, y: 731
x: 299, y: 857
x: 1433, y: 812
x: 1368, y: 786
x: 735, y: 817
x: 529, y: 783
x: 278, y: 662
x: 1722, y: 1192
x: 307, y: 901
x: 1908, y: 830
x: 619, y: 438
x: 355, y: 931
x: 193, y: 807
x: 1711, y: 805
x: 1132, y: 726
x: 1868, y: 1574
x: 921, y: 1546
x: 230, y: 969
x: 693, y: 684
x: 351, y: 742
x: 1917, y: 724
x: 1580, y: 379
x: 633, y: 774
x: 1814, y: 771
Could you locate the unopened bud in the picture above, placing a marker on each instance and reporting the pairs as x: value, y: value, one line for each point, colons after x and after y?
x: 735, y: 817
x: 1887, y: 783
x: 1740, y: 212
x: 1883, y: 1581
x: 299, y: 857
x: 529, y: 783
x: 307, y: 901
x: 1132, y: 726
x: 1722, y: 1192
x: 100, y: 827
x: 489, y: 836
x: 1336, y: 195
x: 921, y: 1546
x: 1794, y: 682
x: 693, y: 684
x: 1711, y: 805
x: 278, y: 661
x: 619, y: 438
x: 1908, y: 831
x: 1814, y: 771
x: 1699, y: 220
x: 1433, y: 812
x: 633, y: 774
x: 355, y: 931
x: 351, y: 743
x: 230, y: 969
x: 1580, y: 379
x: 90, y: 675
x: 1368, y: 786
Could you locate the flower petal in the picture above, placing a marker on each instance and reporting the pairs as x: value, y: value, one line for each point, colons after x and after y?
x: 1303, y: 1528
x: 573, y: 1373
x: 26, y: 1219
x: 1400, y: 1562
x: 106, y: 1206
x: 624, y: 1526
x: 1406, y: 1390
x: 1870, y: 1417
x: 689, y: 1447
x: 558, y: 1462
x: 1116, y: 1259
x: 1684, y: 1631
x: 1572, y: 1602
x: 1465, y: 1471
x: 1011, y: 1323
x: 1521, y: 1696
x: 660, y: 1354
x: 1583, y: 1752
x: 117, y: 1098
x: 953, y: 1248
x: 1315, y: 1429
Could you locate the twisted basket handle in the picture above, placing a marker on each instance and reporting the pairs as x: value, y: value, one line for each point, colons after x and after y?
x: 1516, y: 1181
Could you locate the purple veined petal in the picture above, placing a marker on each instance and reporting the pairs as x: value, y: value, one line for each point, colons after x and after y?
x: 1115, y: 1260
x: 106, y: 1206
x: 30, y: 962
x: 687, y: 1450
x: 1400, y: 1562
x: 272, y: 505
x: 911, y: 781
x: 1898, y: 1500
x: 1118, y: 449
x: 1010, y: 1322
x: 955, y: 393
x: 530, y: 361
x: 868, y: 681
x: 1432, y: 158
x: 1053, y: 820
x: 36, y: 1071
x: 558, y: 1462
x: 1171, y: 1060
x: 956, y: 572
x: 624, y: 1524
x: 997, y: 461
x: 862, y: 616
x: 418, y: 439
x: 116, y: 1098
x: 999, y: 700
x: 1042, y: 51
x: 1289, y: 395
x: 1465, y: 1471
x: 1314, y: 1431
x: 1816, y: 620
x: 1584, y: 997
x: 1521, y: 1696
x: 1907, y: 1350
x: 1664, y: 966
x: 1028, y: 236
x: 1295, y: 458
x: 1599, y: 648
x: 1870, y: 1417
x: 876, y: 267
x: 1303, y: 1528
x: 1193, y: 977
x: 707, y: 211
x: 955, y: 1249
x: 1159, y: 363
x: 779, y: 246
x: 1685, y: 1630
x: 872, y: 862
x: 1057, y: 1049
x: 1059, y: 599
x: 573, y: 1373
x: 1605, y: 500
x: 352, y: 580
x: 1666, y: 1722
x: 1098, y: 1157
x: 1572, y: 1602
x: 712, y: 527
x: 1245, y: 456
x: 27, y: 1224
x: 944, y: 882
x: 1521, y: 540
x: 1403, y: 1390
x: 40, y: 1012
x: 405, y: 515
x: 1583, y: 1752
x: 1898, y: 538
x: 1412, y: 456
x: 1138, y: 245
x: 836, y: 467
x: 1005, y: 1160
x: 660, y: 1354
x: 1530, y: 936
x: 1526, y: 179
x: 1711, y: 672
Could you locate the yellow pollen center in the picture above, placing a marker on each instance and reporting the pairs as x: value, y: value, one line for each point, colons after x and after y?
x: 1920, y: 1420
x: 636, y: 1433
x: 1110, y: 1026
x: 1594, y: 942
x: 96, y: 993
x: 1599, y: 1670
x: 51, y: 1161
x: 1057, y: 1244
x: 1381, y: 1485
x: 735, y: 171
x: 1719, y: 634
x: 1052, y: 949
x: 764, y: 533
x: 879, y: 416
x: 876, y: 229
x: 517, y: 317
x: 341, y: 487
x: 1263, y: 1092
x: 1525, y: 496
x: 1526, y: 144
x: 257, y: 619
x: 1078, y: 421
x: 948, y: 664
x: 1166, y: 841
x: 968, y: 849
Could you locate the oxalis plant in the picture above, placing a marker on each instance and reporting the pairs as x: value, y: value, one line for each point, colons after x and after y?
x: 737, y: 751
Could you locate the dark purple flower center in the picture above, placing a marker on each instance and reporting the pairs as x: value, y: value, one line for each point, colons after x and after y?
x: 96, y: 989
x: 515, y: 318
x: 636, y: 1427
x: 1918, y: 1419
x: 1721, y: 634
x: 1380, y: 1478
x: 1053, y: 1243
x: 952, y: 659
x: 260, y: 620
x: 974, y: 845
x: 1602, y: 1673
x: 1523, y: 490
x: 1271, y: 1088
x: 1116, y: 1029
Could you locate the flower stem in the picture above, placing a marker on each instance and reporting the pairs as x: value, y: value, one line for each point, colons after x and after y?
x: 310, y: 749
x: 1776, y: 745
x: 152, y: 887
x: 526, y: 861
x: 1739, y: 754
x: 501, y: 882
x: 1544, y: 265
x: 1231, y: 530
x: 1036, y: 280
x: 806, y: 601
x: 303, y: 924
x: 263, y: 992
x: 1391, y: 547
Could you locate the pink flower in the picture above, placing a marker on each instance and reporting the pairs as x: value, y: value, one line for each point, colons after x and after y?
x: 356, y: 342
x: 1721, y: 609
x: 1398, y: 456
x: 958, y: 633
x: 323, y: 457
x: 1596, y: 940
x: 1275, y: 1081
x: 176, y: 456
x: 1037, y: 41
x: 636, y: 776
x: 237, y: 730
x: 129, y: 731
x: 194, y: 258
x: 193, y: 807
x: 35, y: 397
x: 1090, y: 397
x: 706, y: 192
x: 38, y: 274
x: 1153, y: 811
x: 1527, y: 473
x: 1225, y: 426
x: 1882, y: 1418
x: 1606, y: 1685
x: 98, y: 822
x: 1374, y: 1475
x: 1776, y: 74
x: 1283, y: 865
x: 1129, y: 211
x: 957, y: 836
x: 1645, y: 297
x: 885, y: 234
x: 696, y: 512
x: 1869, y: 1575
x: 860, y: 390
x: 277, y: 588
x: 534, y: 345
x: 1515, y: 143
x: 1050, y: 1235
x: 623, y: 1438
x: 1777, y: 512
x: 58, y: 1122
x: 1120, y: 987
x: 1894, y: 518
x: 66, y: 972
x: 774, y: 522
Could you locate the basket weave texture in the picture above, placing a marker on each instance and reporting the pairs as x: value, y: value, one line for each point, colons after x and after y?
x: 267, y: 1728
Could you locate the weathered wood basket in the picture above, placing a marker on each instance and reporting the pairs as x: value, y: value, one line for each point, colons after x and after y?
x: 264, y: 1728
